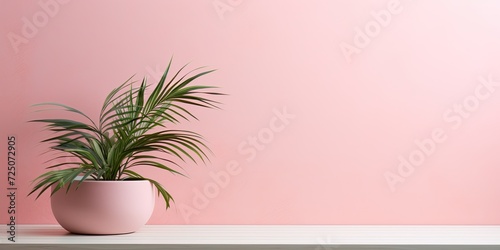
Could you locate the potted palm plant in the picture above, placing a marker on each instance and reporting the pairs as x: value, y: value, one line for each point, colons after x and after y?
x: 97, y: 189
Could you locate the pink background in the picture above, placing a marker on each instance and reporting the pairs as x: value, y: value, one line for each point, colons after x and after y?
x: 354, y: 117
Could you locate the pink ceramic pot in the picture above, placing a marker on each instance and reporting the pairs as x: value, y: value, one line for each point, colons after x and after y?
x: 104, y: 207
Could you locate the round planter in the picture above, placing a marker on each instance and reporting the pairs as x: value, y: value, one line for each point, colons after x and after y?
x: 104, y: 207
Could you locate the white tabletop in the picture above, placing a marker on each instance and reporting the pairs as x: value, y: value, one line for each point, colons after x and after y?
x: 272, y: 236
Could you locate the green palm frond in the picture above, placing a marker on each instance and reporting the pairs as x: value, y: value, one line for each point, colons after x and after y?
x: 123, y: 136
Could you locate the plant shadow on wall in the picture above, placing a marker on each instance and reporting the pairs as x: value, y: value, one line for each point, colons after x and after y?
x: 131, y: 131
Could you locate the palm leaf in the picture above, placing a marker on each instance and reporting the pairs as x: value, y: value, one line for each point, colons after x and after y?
x: 131, y: 130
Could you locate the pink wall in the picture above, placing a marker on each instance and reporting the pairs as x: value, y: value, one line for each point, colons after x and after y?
x: 364, y: 112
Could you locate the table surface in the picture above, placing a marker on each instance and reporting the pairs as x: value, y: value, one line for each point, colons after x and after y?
x: 254, y: 236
